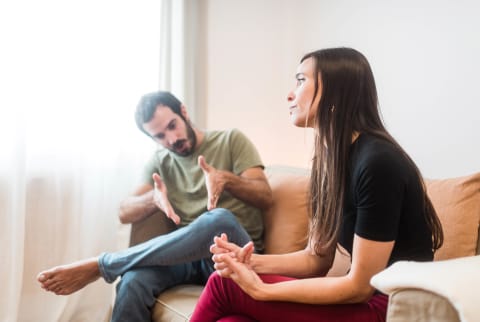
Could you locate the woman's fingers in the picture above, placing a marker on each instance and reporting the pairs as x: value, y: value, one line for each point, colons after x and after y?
x: 246, y: 252
x: 224, y: 243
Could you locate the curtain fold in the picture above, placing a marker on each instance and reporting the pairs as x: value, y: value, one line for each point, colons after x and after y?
x: 12, y: 230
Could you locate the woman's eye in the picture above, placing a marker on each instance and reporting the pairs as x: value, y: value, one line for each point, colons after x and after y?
x: 300, y: 81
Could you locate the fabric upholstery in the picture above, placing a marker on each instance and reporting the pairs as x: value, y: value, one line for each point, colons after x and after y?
x: 177, y: 304
x: 286, y: 223
x: 455, y: 279
x: 420, y: 305
x: 151, y: 226
x: 457, y: 202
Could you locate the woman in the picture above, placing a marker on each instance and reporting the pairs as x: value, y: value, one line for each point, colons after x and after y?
x: 365, y: 194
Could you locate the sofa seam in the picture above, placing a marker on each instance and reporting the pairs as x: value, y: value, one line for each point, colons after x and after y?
x: 172, y: 309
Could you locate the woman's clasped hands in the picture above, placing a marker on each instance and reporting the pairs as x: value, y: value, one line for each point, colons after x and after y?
x: 233, y: 261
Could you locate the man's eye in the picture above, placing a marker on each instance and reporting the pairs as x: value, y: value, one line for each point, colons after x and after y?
x: 172, y: 126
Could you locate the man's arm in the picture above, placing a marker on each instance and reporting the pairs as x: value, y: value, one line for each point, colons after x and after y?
x: 147, y: 200
x: 138, y: 206
x: 251, y: 186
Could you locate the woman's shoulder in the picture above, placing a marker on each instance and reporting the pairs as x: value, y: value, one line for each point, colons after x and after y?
x: 375, y: 155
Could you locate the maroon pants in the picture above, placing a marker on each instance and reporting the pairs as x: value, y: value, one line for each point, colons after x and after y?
x: 223, y: 300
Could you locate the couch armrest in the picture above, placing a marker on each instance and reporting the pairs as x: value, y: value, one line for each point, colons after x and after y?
x: 149, y: 227
x: 420, y: 306
x: 457, y: 280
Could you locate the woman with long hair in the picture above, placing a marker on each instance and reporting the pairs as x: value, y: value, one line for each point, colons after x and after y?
x: 366, y: 194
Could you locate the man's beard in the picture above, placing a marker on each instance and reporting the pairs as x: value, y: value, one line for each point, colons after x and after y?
x: 191, y: 138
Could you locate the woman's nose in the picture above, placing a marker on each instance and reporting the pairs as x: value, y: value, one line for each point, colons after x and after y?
x: 290, y: 96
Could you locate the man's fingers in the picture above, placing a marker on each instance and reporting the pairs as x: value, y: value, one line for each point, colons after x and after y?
x: 174, y: 217
x: 158, y: 180
x: 203, y: 164
x: 212, y: 202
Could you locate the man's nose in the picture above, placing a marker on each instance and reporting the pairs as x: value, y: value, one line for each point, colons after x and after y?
x: 171, y: 138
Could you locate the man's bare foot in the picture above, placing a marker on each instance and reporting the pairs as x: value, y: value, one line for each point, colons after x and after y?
x: 67, y: 279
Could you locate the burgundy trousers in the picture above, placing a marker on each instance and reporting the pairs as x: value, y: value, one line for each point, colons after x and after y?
x: 223, y: 300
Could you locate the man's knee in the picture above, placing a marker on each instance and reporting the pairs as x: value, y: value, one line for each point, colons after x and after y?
x: 220, y: 218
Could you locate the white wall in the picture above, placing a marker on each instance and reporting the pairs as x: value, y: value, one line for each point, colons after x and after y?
x: 423, y: 54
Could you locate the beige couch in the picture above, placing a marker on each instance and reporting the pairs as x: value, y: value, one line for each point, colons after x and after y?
x: 457, y: 202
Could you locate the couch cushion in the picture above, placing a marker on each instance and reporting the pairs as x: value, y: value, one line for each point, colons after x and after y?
x: 150, y: 227
x: 177, y: 304
x: 457, y: 202
x: 286, y: 223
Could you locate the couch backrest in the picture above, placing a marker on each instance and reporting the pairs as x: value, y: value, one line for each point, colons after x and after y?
x: 286, y: 223
x: 456, y: 200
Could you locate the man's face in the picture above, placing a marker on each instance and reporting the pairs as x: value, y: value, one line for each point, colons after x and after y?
x: 171, y: 131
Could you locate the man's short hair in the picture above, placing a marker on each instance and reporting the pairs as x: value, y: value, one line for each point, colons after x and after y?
x: 148, y: 105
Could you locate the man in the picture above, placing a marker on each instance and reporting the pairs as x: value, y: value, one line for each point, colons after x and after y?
x: 206, y: 182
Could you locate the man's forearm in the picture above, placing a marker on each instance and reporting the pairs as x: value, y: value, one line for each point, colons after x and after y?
x: 136, y: 208
x: 254, y: 191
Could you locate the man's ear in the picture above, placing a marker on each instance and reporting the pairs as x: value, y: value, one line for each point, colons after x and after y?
x: 183, y: 110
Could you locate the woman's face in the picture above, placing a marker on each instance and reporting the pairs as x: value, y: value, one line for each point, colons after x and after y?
x: 302, y: 105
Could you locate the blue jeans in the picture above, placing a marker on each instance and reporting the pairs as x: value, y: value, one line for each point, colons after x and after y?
x: 180, y: 257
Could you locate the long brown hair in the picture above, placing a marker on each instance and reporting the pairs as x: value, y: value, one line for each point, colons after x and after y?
x: 348, y: 105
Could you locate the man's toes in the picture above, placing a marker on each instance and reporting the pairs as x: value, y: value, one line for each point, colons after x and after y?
x: 63, y: 292
x: 52, y: 283
x: 57, y: 290
x: 55, y: 287
x: 46, y: 275
x: 41, y: 277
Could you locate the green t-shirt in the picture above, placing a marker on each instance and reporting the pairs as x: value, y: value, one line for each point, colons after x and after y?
x: 224, y: 150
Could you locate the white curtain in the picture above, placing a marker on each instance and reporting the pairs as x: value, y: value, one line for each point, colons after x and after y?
x: 71, y: 73
x: 183, y: 54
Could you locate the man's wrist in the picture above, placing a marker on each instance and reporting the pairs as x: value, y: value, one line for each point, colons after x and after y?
x: 228, y: 179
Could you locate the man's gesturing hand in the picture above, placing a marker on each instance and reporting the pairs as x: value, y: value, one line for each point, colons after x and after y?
x: 161, y: 200
x: 213, y: 181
